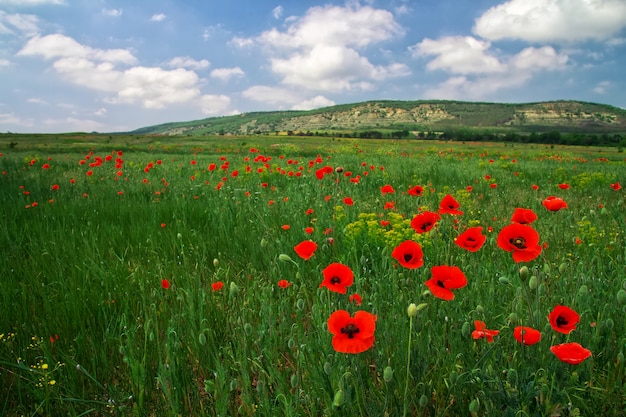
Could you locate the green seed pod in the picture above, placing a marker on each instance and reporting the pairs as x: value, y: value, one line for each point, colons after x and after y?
x: 504, y: 281
x: 621, y: 297
x: 263, y: 243
x: 466, y: 329
x: 423, y: 401
x: 328, y: 369
x: 233, y: 290
x: 546, y: 268
x: 474, y: 406
x: 480, y: 309
x: 284, y: 257
x: 338, y: 399
x: 562, y: 268
x: 513, y: 319
x: 524, y: 273
x: 542, y: 288
x: 583, y: 290
x: 388, y: 374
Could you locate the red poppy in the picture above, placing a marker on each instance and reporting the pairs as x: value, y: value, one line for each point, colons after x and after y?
x: 387, y: 189
x: 449, y: 205
x: 389, y: 205
x: 444, y: 279
x: 424, y: 221
x: 482, y: 331
x: 323, y: 171
x: 216, y: 286
x: 535, y: 187
x: 337, y: 277
x: 283, y: 283
x: 523, y: 216
x: 352, y: 334
x: 616, y: 186
x: 520, y: 239
x: 285, y: 227
x: 563, y: 319
x: 572, y: 353
x: 416, y: 191
x: 472, y: 239
x: 385, y: 223
x: 165, y: 284
x: 553, y: 203
x: 409, y: 254
x: 308, y: 230
x: 526, y: 335
x: 356, y: 299
x: 348, y: 201
x: 55, y: 186
x: 305, y: 249
x: 563, y: 186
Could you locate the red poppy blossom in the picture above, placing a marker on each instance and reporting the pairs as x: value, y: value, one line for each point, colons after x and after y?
x: 563, y: 319
x: 416, y: 191
x: 323, y: 171
x: 535, y: 187
x: 472, y: 239
x: 554, y: 203
x: 572, y: 353
x: 387, y: 189
x: 424, y: 221
x: 165, y: 284
x: 409, y: 254
x: 337, y: 277
x: 283, y: 283
x: 563, y: 186
x: 526, y: 335
x: 616, y: 186
x: 523, y: 216
x: 216, y: 286
x: 55, y: 186
x: 356, y: 299
x: 308, y: 230
x: 449, y: 205
x: 348, y: 201
x: 389, y: 205
x: 352, y: 334
x: 285, y: 227
x: 482, y: 331
x: 305, y: 249
x: 444, y: 279
x: 520, y: 239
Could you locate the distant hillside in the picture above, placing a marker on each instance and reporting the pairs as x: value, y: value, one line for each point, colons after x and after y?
x: 413, y: 116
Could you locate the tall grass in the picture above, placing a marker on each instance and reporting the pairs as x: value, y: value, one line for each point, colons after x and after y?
x: 88, y: 327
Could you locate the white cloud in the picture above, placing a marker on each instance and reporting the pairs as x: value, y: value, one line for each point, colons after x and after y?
x: 602, y: 87
x: 277, y: 12
x: 313, y: 103
x: 61, y: 46
x: 227, y: 73
x: 12, y: 119
x: 188, y: 62
x: 552, y: 20
x: 211, y: 104
x: 31, y: 2
x: 36, y: 100
x: 4, y: 63
x: 272, y: 95
x: 112, y: 12
x: 101, y: 112
x: 158, y: 17
x: 241, y: 42
x: 458, y: 54
x: 15, y: 23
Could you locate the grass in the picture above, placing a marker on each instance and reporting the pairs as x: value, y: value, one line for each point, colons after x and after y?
x: 89, y: 329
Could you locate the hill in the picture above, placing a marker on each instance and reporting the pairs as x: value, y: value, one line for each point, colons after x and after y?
x: 413, y: 116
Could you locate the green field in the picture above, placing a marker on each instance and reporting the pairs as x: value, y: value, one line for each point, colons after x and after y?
x: 158, y: 276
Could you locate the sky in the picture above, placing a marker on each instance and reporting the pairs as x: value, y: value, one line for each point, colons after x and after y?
x: 118, y: 65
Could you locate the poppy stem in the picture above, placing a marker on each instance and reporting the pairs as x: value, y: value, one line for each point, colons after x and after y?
x: 408, y: 366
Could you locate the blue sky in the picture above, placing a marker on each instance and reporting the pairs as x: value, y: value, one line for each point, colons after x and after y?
x: 117, y: 65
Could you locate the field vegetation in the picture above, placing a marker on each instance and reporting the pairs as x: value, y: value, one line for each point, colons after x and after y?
x: 271, y: 276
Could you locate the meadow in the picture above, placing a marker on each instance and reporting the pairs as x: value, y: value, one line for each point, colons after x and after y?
x: 285, y: 276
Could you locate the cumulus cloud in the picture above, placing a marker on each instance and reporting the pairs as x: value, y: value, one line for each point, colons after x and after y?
x: 313, y: 103
x: 188, y: 62
x: 476, y: 72
x: 227, y: 73
x: 322, y: 50
x: 98, y: 69
x: 158, y: 17
x: 211, y: 104
x: 112, y: 12
x: 552, y: 20
x: 278, y: 96
x: 18, y: 24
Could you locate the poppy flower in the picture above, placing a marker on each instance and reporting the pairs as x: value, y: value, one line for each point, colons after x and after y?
x: 444, y: 279
x: 526, y: 335
x: 572, y: 353
x: 409, y: 254
x: 563, y: 186
x: 348, y: 201
x: 283, y: 283
x: 472, y: 239
x: 356, y: 299
x: 520, y: 239
x: 323, y: 171
x: 416, y: 191
x: 389, y: 205
x: 554, y: 203
x: 563, y: 319
x: 616, y: 186
x: 308, y: 230
x: 523, y: 216
x: 337, y: 277
x: 352, y: 334
x: 165, y: 284
x: 387, y: 189
x: 535, y: 187
x: 285, y: 227
x: 482, y: 331
x: 449, y: 205
x: 305, y: 249
x: 424, y: 221
x: 216, y: 286
x: 55, y: 187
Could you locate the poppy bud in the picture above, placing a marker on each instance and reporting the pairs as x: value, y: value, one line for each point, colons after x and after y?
x: 532, y: 282
x: 328, y: 368
x: 546, y: 268
x: 474, y: 406
x: 179, y: 236
x: 411, y: 310
x: 216, y: 262
x: 339, y: 397
x: 202, y: 338
x: 503, y: 280
x: 480, y: 309
x: 466, y: 329
x: 284, y: 257
x: 513, y: 319
x: 608, y: 324
x: 524, y: 273
x: 583, y: 290
x: 562, y: 268
x: 234, y: 289
x: 423, y: 401
x: 339, y: 170
x: 388, y: 374
x: 603, y: 211
x: 263, y: 243
x: 621, y: 297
